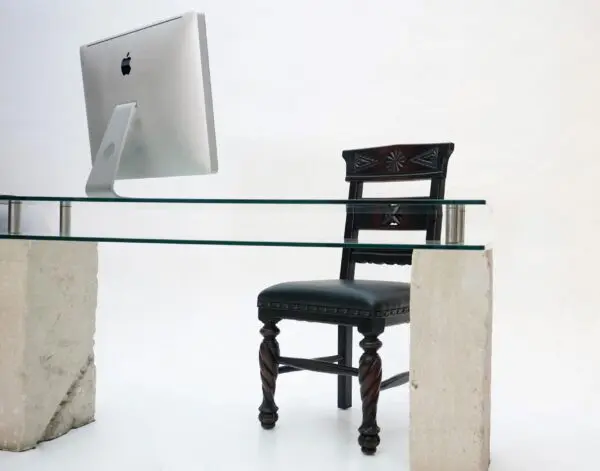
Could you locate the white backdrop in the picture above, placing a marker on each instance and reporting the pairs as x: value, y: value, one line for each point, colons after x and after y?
x: 513, y: 84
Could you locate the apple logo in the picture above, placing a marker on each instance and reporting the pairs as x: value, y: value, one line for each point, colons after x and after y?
x: 126, y: 65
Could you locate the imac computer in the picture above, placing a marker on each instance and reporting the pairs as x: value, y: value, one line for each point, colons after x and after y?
x: 149, y: 104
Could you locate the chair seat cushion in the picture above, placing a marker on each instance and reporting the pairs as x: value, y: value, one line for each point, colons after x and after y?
x: 358, y: 298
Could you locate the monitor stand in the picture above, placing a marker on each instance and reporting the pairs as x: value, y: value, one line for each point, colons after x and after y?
x: 101, y: 182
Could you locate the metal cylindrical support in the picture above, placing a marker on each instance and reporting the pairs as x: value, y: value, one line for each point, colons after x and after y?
x: 14, y: 217
x: 455, y: 224
x: 65, y: 218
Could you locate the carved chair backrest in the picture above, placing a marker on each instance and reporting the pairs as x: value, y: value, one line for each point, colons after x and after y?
x: 409, y: 162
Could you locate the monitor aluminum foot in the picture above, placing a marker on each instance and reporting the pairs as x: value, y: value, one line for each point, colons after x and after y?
x: 101, y: 182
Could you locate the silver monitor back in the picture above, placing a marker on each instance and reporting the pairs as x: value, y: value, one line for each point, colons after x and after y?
x: 149, y: 104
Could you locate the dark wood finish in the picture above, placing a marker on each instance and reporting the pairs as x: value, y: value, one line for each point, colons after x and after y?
x: 268, y: 357
x: 394, y: 163
x: 319, y: 366
x: 395, y: 216
x: 344, y: 386
x: 379, y: 164
x: 395, y: 381
x: 290, y: 369
x: 369, y: 377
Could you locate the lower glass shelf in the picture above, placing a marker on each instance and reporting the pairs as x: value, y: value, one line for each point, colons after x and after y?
x: 352, y: 244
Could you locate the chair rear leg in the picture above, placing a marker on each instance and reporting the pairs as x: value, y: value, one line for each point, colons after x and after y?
x: 268, y: 357
x: 345, y: 382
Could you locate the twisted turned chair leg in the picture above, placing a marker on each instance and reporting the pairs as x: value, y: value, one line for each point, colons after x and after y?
x: 369, y: 376
x: 268, y: 358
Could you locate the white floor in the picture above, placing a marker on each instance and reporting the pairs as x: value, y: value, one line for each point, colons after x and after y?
x: 178, y: 389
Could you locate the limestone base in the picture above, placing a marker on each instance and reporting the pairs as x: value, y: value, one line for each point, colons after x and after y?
x: 48, y: 298
x: 450, y: 360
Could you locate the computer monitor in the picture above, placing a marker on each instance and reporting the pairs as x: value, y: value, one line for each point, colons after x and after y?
x: 149, y: 104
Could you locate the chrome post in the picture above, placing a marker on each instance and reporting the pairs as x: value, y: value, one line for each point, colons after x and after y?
x: 455, y: 224
x: 65, y: 218
x: 14, y: 216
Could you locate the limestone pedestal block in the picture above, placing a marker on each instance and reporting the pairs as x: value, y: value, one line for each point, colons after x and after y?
x: 450, y: 360
x: 48, y: 297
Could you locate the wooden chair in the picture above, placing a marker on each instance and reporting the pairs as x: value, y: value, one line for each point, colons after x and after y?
x: 368, y: 305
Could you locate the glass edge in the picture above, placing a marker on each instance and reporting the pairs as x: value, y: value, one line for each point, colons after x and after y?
x: 246, y: 243
x: 263, y: 201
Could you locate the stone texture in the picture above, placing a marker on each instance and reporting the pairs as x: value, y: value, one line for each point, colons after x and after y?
x: 48, y: 298
x: 450, y: 360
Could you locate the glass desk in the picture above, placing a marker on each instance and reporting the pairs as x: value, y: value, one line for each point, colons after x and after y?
x: 313, y: 223
x: 48, y: 290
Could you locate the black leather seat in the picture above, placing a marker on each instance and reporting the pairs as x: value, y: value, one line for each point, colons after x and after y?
x: 353, y: 299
